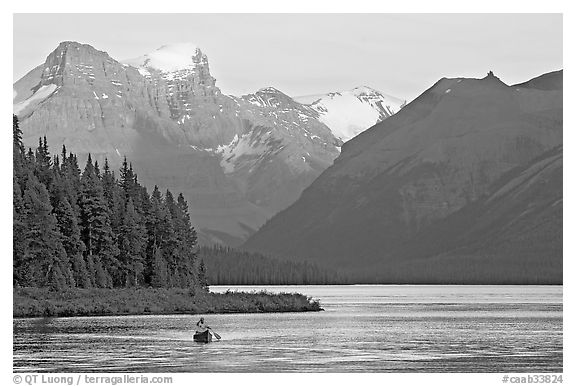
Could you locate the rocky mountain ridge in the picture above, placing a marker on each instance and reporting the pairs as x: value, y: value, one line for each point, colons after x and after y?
x: 238, y: 160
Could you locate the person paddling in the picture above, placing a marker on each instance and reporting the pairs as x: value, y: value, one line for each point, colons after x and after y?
x: 201, y: 326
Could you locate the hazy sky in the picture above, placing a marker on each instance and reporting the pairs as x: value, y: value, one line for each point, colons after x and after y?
x: 302, y: 54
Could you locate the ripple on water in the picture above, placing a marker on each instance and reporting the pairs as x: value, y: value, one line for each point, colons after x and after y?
x: 364, y: 328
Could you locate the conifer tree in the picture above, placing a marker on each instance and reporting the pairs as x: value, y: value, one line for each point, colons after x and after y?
x: 63, y: 185
x: 64, y: 154
x: 114, y: 197
x: 202, y: 279
x: 18, y: 147
x: 18, y: 231
x: 19, y: 176
x: 177, y: 268
x: 30, y: 159
x: 43, y: 168
x: 45, y: 263
x: 71, y: 177
x: 96, y: 230
x: 132, y: 242
x: 125, y: 177
x: 18, y: 153
x: 192, y: 238
x: 159, y: 272
x: 72, y: 242
x: 97, y: 170
x: 161, y: 240
x: 185, y: 250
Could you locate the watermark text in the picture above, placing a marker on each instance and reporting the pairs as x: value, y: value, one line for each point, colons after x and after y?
x: 532, y: 378
x: 89, y: 379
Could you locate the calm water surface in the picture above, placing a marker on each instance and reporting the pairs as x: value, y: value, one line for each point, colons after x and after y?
x: 363, y: 328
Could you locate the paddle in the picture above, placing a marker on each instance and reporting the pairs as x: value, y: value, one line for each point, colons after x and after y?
x: 215, y: 334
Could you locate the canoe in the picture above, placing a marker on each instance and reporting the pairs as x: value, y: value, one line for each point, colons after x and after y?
x: 203, y: 337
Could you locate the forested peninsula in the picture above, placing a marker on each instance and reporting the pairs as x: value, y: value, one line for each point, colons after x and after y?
x: 94, y: 242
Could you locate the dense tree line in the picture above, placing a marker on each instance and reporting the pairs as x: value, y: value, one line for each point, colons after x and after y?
x: 226, y: 265
x: 91, y: 228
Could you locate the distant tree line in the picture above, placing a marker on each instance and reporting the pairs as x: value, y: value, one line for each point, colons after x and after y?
x: 225, y: 265
x: 93, y: 229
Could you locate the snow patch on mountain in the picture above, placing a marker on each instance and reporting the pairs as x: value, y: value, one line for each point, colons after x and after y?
x: 168, y: 58
x: 144, y: 72
x: 348, y: 113
x: 248, y: 150
x: 42, y: 93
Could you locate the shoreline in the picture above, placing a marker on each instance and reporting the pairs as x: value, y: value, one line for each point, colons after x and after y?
x: 395, y: 285
x: 40, y: 303
x: 165, y: 314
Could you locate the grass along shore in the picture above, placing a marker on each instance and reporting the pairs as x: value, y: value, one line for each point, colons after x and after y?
x: 39, y: 302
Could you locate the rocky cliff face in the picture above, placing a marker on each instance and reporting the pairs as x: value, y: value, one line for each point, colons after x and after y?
x: 238, y: 160
x: 442, y: 154
x: 185, y: 92
x: 93, y: 104
x: 282, y: 152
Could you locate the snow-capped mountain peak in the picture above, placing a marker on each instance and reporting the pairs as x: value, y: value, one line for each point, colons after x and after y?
x: 364, y: 90
x: 170, y: 58
x: 270, y: 97
x: 269, y: 90
x: 348, y: 113
x: 182, y: 72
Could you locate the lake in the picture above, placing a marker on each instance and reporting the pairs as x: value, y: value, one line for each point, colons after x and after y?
x: 372, y: 328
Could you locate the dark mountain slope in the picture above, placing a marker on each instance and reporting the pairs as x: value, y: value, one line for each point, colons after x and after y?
x: 397, y: 181
x: 512, y: 235
x: 550, y: 81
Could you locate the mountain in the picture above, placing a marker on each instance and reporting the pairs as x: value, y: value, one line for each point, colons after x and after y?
x: 462, y: 185
x: 550, y: 81
x: 348, y: 113
x: 238, y: 160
